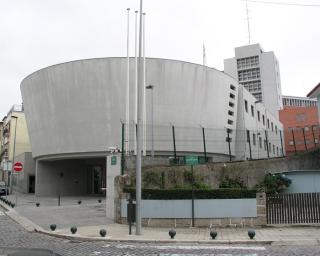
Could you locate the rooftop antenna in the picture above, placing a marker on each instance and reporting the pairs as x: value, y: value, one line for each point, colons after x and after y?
x: 248, y: 21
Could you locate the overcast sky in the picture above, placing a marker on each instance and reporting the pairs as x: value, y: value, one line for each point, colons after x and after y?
x: 38, y: 33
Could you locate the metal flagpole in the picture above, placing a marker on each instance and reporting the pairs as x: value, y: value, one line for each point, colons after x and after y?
x: 139, y: 144
x: 144, y: 87
x: 128, y: 87
x: 136, y: 82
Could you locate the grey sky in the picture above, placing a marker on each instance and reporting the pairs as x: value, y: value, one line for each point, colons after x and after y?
x: 38, y: 33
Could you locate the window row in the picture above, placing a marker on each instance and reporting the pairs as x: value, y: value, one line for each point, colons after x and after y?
x: 249, y: 74
x: 273, y: 127
x: 266, y: 146
x: 299, y: 102
x: 253, y: 86
x: 248, y: 62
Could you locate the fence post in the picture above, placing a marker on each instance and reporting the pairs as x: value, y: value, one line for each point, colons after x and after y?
x: 281, y: 143
x: 249, y: 141
x: 229, y: 140
x: 267, y: 142
x: 304, y: 138
x: 294, y: 142
x: 204, y: 144
x: 122, y: 149
x: 174, y: 144
x: 314, y: 139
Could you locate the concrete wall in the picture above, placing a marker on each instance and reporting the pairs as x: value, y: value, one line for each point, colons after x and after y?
x: 20, y: 180
x: 304, y: 181
x: 204, y: 208
x: 67, y: 177
x: 224, y: 212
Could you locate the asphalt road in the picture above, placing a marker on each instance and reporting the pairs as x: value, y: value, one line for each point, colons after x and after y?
x: 13, y: 235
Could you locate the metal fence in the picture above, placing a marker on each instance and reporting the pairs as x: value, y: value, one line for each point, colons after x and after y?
x: 297, y: 208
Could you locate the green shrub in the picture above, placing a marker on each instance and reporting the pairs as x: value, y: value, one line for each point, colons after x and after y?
x: 186, y: 193
x: 274, y: 183
x: 227, y: 182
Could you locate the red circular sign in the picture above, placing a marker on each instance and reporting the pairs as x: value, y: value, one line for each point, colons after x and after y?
x: 18, y: 167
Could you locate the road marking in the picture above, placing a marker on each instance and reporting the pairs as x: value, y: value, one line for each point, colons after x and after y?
x: 205, y: 247
x: 193, y: 247
x: 175, y: 254
x: 2, y: 213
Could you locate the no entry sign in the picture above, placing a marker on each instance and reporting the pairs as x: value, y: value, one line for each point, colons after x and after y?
x: 18, y: 167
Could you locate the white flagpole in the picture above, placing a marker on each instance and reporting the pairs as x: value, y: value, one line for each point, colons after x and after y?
x: 144, y: 86
x: 136, y: 82
x: 139, y: 146
x: 128, y: 88
x: 204, y: 60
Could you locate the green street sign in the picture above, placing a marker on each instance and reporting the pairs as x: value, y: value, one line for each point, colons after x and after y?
x: 191, y: 160
x: 113, y: 160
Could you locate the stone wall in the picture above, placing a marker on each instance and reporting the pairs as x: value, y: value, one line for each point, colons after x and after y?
x: 249, y: 172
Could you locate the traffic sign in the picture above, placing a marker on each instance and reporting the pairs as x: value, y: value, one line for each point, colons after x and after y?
x: 18, y: 167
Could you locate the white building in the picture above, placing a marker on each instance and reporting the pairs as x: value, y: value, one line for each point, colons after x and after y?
x: 294, y: 101
x: 258, y: 72
x: 75, y: 111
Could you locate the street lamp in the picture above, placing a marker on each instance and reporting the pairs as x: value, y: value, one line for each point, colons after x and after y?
x: 150, y: 87
x: 14, y: 151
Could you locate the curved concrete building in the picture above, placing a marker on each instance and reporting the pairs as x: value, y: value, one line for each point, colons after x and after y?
x: 75, y: 110
x: 77, y: 107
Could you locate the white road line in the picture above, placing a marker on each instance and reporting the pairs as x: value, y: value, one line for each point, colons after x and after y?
x: 192, y: 247
x: 213, y: 247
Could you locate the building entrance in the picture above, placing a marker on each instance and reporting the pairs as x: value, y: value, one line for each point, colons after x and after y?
x: 32, y: 180
x: 96, y: 179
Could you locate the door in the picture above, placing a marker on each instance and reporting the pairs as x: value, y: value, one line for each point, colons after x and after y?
x: 32, y: 183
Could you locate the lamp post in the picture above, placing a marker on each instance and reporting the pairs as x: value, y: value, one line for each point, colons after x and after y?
x: 14, y: 151
x: 150, y: 87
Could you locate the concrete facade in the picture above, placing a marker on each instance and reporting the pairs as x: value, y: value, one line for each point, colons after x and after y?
x: 75, y: 111
x: 258, y: 72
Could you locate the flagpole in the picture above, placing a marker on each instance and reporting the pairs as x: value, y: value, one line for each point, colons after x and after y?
x: 128, y: 86
x: 144, y: 86
x: 136, y: 82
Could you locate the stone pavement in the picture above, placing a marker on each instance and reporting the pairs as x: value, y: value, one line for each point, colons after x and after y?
x: 89, y: 217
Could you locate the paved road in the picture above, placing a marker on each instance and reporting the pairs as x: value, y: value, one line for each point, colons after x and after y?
x: 12, y: 235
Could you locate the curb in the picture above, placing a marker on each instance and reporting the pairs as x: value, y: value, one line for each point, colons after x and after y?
x: 32, y: 227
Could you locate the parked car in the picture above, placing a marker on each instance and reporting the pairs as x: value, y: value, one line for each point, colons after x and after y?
x: 3, y: 188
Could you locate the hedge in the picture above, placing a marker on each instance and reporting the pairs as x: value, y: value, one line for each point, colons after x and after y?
x: 187, y: 193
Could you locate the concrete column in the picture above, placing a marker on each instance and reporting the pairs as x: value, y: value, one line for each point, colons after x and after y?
x: 261, y: 219
x: 113, y: 170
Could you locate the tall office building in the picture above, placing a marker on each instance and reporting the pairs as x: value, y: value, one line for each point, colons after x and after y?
x: 258, y: 72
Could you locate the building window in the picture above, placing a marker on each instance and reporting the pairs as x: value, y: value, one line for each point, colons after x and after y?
x: 306, y: 129
x: 277, y: 151
x: 246, y: 105
x: 271, y: 126
x: 276, y: 129
x: 232, y: 96
x: 258, y: 114
x: 273, y: 149
x: 269, y: 147
x: 248, y: 136
x: 230, y: 113
x: 265, y: 144
x: 232, y: 87
x: 253, y: 139
x: 231, y: 104
x: 268, y: 123
x: 230, y: 121
x: 252, y: 111
x: 260, y: 142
